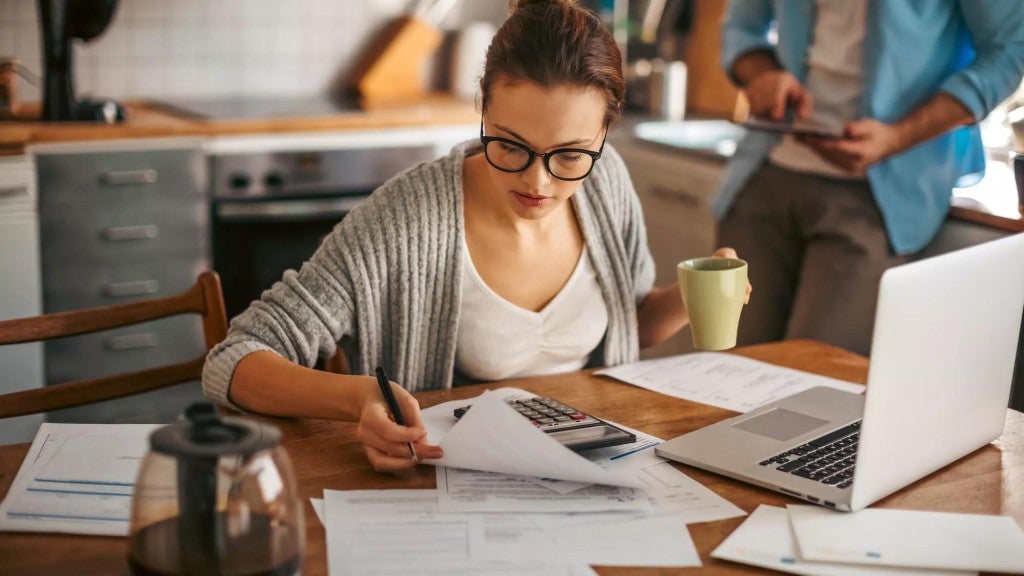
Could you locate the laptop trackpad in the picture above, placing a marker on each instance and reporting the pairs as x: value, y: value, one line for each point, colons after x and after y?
x: 781, y: 424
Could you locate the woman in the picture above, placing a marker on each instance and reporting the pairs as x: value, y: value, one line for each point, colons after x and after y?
x: 522, y: 253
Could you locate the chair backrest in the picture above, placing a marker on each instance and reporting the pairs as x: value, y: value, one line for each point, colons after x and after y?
x: 204, y: 298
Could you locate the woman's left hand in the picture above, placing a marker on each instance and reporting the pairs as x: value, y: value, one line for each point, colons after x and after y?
x: 725, y: 252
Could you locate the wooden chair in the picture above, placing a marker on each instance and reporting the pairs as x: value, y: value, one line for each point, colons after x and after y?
x: 204, y: 298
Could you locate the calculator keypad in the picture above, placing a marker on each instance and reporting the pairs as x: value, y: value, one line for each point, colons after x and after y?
x: 549, y: 414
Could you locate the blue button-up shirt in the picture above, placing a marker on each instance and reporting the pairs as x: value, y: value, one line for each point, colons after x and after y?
x: 970, y: 49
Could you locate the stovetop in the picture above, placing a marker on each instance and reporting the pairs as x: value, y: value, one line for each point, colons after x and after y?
x: 246, y: 108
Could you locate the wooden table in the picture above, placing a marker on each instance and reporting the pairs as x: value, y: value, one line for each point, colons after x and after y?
x: 326, y: 455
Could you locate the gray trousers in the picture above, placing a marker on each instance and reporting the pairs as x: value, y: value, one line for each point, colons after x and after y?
x: 816, y: 249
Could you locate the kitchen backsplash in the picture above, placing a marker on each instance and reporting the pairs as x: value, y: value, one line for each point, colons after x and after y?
x: 217, y: 48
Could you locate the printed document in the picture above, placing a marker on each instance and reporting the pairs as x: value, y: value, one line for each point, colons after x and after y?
x: 461, y: 490
x: 611, y: 539
x: 765, y: 539
x: 492, y: 437
x: 649, y: 541
x: 77, y: 479
x: 385, y: 532
x: 882, y: 537
x: 673, y: 492
x: 402, y: 529
x: 720, y: 379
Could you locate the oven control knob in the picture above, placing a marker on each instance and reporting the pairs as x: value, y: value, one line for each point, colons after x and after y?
x: 273, y: 179
x: 239, y: 181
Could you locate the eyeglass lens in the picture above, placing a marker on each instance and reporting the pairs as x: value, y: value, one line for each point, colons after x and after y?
x: 513, y: 158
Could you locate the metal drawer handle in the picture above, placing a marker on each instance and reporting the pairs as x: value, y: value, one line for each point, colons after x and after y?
x: 125, y: 233
x: 128, y: 177
x: 132, y: 288
x: 131, y: 341
x: 14, y: 191
x: 286, y: 210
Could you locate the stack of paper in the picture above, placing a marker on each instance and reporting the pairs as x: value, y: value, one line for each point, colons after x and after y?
x: 818, y: 541
x: 527, y: 505
x: 77, y: 479
x: 721, y: 379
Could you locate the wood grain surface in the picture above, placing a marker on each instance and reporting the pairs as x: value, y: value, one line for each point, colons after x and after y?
x: 326, y: 455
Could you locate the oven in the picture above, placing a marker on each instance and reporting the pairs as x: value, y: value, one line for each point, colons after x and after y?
x: 271, y: 209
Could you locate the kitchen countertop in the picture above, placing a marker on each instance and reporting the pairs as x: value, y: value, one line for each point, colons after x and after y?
x: 149, y: 120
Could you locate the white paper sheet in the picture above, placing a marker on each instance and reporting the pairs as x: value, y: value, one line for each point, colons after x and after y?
x: 720, y: 379
x: 77, y: 479
x: 672, y: 492
x: 461, y: 490
x: 650, y: 541
x: 602, y: 539
x: 881, y: 537
x: 765, y: 539
x: 385, y: 532
x: 492, y: 437
x: 318, y: 508
x: 494, y: 539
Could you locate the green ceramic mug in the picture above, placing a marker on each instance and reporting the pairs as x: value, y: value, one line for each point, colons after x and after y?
x: 713, y: 290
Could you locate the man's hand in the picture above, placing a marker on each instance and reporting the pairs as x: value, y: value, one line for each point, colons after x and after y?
x: 866, y: 142
x: 771, y: 92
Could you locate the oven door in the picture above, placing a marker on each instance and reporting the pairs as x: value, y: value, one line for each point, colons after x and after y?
x: 272, y: 208
x: 256, y: 240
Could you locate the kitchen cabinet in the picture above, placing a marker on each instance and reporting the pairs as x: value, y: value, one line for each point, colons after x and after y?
x: 675, y: 188
x: 21, y: 365
x: 118, y: 223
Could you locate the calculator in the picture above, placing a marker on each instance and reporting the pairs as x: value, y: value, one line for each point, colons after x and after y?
x: 574, y: 429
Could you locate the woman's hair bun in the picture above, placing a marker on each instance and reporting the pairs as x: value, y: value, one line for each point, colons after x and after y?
x: 515, y: 5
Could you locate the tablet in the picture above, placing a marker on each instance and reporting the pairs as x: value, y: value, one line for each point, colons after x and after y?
x: 799, y: 126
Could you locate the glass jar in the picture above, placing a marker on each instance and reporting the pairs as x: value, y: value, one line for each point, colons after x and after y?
x: 216, y: 496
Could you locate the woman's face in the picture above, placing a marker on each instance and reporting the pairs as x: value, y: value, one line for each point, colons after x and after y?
x: 542, y: 119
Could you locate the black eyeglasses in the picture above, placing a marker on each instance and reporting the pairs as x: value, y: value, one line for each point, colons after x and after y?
x: 562, y: 163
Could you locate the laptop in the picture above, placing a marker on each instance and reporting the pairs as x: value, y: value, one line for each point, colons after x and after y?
x: 942, y: 361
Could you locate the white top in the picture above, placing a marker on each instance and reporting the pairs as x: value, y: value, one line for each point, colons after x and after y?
x: 835, y: 64
x: 499, y: 340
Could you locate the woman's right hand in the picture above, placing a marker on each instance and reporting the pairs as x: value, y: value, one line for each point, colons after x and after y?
x: 385, y: 442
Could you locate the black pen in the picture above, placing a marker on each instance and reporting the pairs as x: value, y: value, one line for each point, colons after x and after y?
x: 389, y: 397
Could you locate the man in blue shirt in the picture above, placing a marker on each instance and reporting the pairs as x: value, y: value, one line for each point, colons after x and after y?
x: 820, y: 219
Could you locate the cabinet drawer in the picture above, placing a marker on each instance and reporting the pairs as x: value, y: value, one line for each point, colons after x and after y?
x: 76, y: 286
x: 114, y: 178
x: 135, y: 232
x: 17, y: 185
x: 138, y: 347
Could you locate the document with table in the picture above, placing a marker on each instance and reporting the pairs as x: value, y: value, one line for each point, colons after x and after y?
x: 77, y: 479
x: 719, y: 379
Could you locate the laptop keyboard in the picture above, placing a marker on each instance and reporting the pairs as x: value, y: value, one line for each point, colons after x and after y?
x: 828, y: 459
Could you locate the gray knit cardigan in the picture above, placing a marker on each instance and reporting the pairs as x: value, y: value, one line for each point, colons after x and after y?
x: 389, y: 276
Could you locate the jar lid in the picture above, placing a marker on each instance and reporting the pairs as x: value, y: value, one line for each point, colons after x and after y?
x: 203, y: 433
